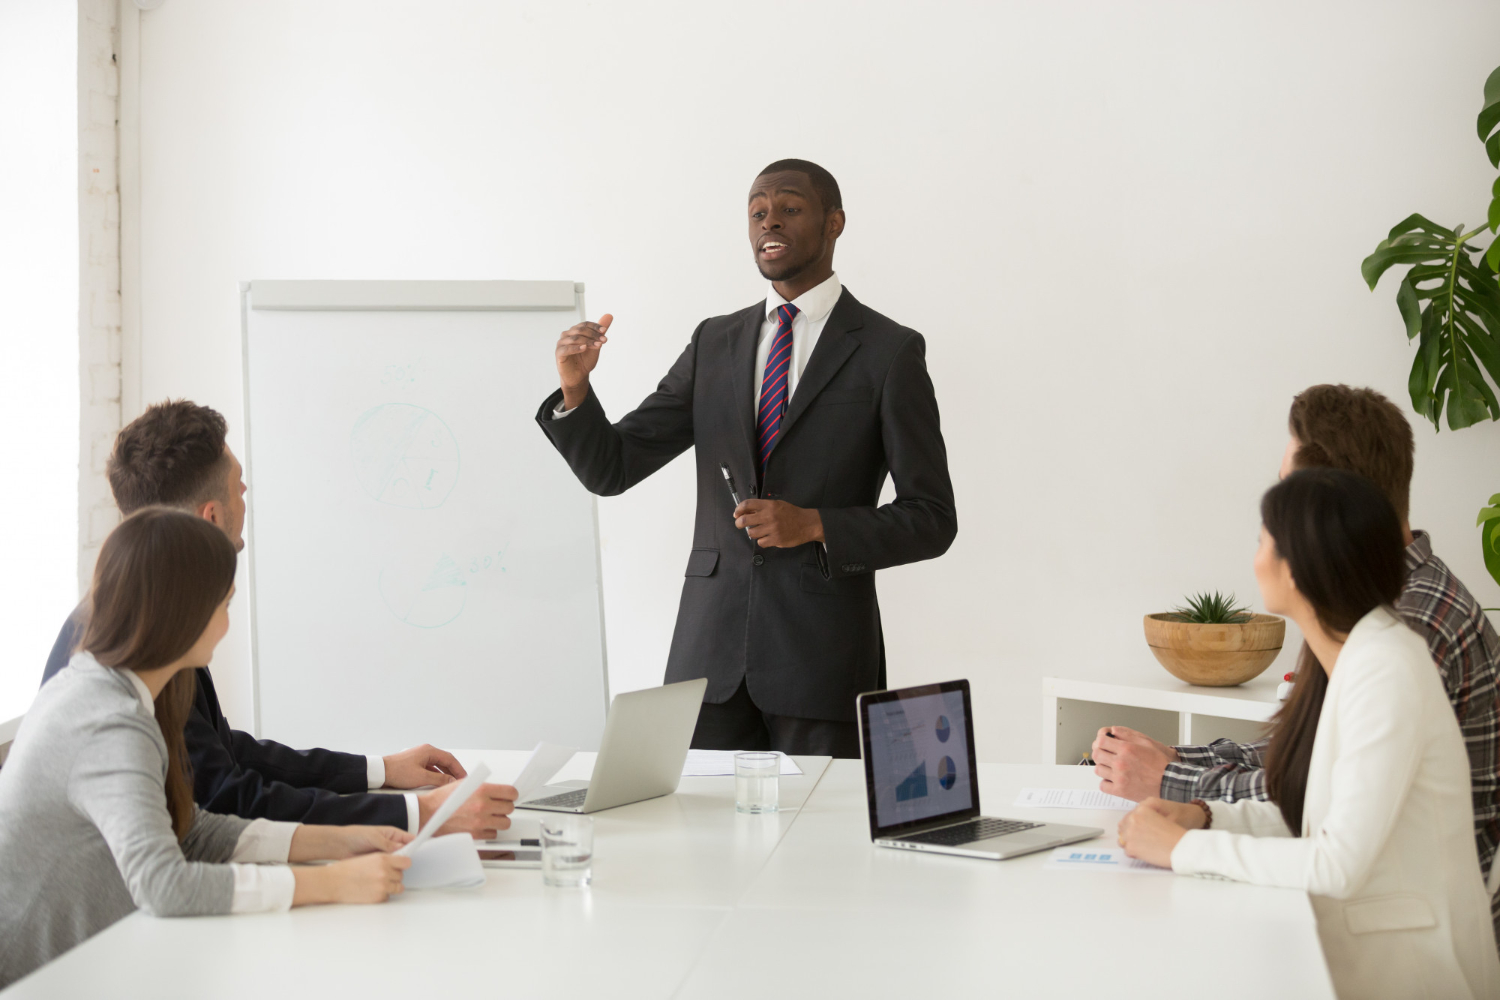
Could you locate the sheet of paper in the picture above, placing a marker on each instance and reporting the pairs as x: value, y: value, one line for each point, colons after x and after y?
x: 466, y: 788
x: 1100, y: 859
x: 1070, y: 798
x: 545, y: 761
x: 707, y: 763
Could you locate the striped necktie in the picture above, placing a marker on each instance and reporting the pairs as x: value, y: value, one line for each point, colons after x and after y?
x: 773, y: 387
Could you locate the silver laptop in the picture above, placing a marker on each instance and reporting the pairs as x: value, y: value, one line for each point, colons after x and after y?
x: 645, y: 744
x: 918, y: 747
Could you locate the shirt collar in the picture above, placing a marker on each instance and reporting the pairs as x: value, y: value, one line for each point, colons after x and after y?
x: 141, y: 690
x: 1419, y: 551
x: 815, y: 303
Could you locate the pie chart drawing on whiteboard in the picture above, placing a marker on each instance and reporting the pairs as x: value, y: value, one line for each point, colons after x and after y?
x: 404, y: 455
x: 423, y: 592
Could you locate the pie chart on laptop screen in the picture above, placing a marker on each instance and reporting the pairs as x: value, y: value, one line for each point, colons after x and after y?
x: 941, y: 729
x: 947, y: 773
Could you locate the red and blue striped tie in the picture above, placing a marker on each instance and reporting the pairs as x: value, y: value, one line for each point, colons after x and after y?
x: 773, y: 387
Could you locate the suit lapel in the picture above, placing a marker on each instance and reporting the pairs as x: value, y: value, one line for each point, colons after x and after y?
x: 743, y: 342
x: 834, y: 347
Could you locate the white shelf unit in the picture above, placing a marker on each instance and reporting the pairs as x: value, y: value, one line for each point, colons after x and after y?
x: 1162, y: 707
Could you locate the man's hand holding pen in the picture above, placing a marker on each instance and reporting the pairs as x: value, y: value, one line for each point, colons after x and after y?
x: 778, y: 524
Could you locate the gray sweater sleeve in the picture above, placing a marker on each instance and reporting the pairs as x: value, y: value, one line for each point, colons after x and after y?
x: 117, y: 783
x: 213, y: 836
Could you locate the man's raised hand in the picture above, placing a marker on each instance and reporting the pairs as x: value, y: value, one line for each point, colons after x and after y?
x: 577, y: 354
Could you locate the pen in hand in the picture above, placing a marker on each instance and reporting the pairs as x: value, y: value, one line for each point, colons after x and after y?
x: 734, y: 494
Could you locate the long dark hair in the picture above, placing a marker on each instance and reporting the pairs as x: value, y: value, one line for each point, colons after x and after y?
x: 1342, y: 540
x: 160, y: 577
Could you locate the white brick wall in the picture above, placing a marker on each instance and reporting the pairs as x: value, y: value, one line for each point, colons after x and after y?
x: 99, y: 271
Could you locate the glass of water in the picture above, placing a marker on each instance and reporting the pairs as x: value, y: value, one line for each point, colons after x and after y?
x: 567, y: 850
x: 757, y: 782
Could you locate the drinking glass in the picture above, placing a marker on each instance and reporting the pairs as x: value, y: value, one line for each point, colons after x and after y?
x: 567, y: 850
x: 757, y: 782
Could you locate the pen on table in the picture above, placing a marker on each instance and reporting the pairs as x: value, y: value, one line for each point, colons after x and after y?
x: 734, y: 494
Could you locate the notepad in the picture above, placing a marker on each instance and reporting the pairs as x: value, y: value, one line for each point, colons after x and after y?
x: 1070, y: 798
x: 1101, y: 859
x: 707, y: 763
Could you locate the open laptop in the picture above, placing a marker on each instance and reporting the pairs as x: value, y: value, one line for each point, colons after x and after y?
x: 645, y: 744
x: 918, y: 747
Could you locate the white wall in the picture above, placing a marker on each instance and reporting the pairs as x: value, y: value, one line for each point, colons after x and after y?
x: 1130, y: 233
x: 39, y: 261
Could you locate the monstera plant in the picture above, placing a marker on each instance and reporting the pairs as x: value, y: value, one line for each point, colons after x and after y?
x: 1450, y: 303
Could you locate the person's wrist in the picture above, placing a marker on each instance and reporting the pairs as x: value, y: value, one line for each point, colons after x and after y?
x: 575, y: 394
x: 315, y: 842
x: 314, y: 886
x: 1204, y: 817
x: 817, y: 525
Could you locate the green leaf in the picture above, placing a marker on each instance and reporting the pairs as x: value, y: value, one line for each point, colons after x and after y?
x: 1489, y: 536
x: 1493, y: 256
x: 1489, y: 117
x: 1411, y: 309
x: 1449, y: 301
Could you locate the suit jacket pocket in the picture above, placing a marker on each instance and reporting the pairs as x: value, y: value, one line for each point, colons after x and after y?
x: 833, y: 397
x: 1388, y: 913
x: 813, y: 582
x: 702, y: 562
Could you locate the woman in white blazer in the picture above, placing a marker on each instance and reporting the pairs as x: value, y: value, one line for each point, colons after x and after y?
x: 1371, y: 812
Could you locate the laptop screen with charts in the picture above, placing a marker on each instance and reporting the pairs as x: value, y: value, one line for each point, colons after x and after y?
x: 923, y: 784
x: 919, y: 756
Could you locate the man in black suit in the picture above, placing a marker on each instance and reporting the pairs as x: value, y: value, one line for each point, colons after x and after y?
x: 174, y: 455
x: 810, y: 398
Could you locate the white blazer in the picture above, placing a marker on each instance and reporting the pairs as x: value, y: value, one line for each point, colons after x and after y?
x: 1387, y: 846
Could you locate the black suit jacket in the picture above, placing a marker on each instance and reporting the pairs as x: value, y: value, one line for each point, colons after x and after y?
x: 235, y: 773
x: 802, y: 631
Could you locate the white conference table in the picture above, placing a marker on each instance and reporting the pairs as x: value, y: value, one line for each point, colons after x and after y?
x: 692, y: 900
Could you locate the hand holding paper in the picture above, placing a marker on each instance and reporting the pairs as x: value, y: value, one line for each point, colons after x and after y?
x: 451, y: 861
x: 484, y: 814
x: 455, y: 799
x: 545, y: 761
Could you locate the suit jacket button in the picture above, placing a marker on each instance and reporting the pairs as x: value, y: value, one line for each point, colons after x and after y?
x: 759, y: 559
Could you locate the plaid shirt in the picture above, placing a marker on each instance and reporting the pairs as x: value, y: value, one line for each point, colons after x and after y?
x: 1466, y: 650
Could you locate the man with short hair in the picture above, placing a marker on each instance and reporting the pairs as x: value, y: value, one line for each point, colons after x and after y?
x: 808, y: 399
x: 175, y: 455
x: 1361, y: 431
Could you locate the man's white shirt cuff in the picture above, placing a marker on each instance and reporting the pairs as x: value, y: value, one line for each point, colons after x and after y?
x: 413, y: 812
x: 560, y: 412
x: 263, y: 888
x: 375, y: 771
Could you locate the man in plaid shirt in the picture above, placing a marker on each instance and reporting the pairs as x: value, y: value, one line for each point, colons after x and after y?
x: 1362, y: 431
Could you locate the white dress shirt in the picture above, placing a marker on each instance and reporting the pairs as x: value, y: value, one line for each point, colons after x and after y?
x: 813, y: 308
x: 257, y: 889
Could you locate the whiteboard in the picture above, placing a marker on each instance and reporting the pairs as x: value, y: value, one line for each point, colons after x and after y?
x: 423, y: 567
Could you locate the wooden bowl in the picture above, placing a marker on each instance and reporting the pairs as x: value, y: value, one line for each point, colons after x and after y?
x: 1215, y: 655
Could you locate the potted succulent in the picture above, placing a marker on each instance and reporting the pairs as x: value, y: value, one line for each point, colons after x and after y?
x: 1214, y: 641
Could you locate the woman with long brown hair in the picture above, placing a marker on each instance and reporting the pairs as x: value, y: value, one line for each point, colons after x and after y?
x: 96, y: 793
x: 1371, y: 811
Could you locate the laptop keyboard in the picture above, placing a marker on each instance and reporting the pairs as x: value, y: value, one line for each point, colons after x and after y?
x: 976, y: 829
x: 566, y: 800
